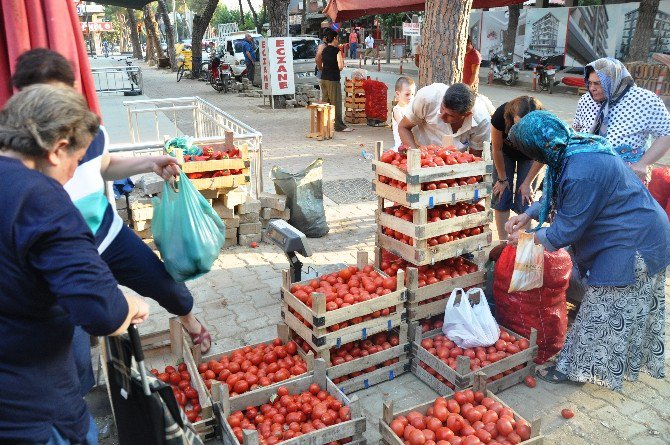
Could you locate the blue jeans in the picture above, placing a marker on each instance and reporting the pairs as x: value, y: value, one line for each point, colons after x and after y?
x: 508, y: 200
x: 136, y: 266
x: 353, y: 49
x: 91, y: 436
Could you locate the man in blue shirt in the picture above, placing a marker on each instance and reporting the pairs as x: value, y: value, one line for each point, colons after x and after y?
x: 249, y: 51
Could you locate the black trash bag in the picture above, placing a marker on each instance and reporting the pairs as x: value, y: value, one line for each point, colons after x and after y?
x: 304, y: 196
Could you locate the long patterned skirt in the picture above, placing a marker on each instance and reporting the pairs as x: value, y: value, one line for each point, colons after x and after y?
x: 618, y: 332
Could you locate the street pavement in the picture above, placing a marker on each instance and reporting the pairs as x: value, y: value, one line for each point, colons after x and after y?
x: 239, y: 299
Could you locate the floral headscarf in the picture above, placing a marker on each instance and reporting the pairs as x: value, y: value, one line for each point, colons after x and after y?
x: 616, y: 81
x: 545, y: 138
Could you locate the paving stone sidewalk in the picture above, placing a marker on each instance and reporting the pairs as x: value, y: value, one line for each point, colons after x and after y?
x: 239, y: 299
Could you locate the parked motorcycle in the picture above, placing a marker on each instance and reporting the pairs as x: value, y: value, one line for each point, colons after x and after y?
x: 508, y: 72
x: 546, y: 75
x: 220, y: 75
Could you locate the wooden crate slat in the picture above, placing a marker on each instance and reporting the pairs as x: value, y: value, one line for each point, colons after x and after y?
x: 417, y: 312
x: 215, y: 165
x: 380, y: 375
x: 432, y: 174
x: 423, y: 199
x: 430, y: 380
x: 362, y: 363
x: 430, y: 230
x: 417, y: 294
x: 220, y: 182
x: 436, y: 253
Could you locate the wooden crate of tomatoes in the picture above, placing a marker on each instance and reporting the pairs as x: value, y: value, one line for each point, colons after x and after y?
x: 220, y: 166
x: 315, y: 411
x: 475, y: 416
x: 173, y: 363
x: 507, y: 362
x: 431, y: 175
x: 251, y: 368
x: 363, y: 363
x: 348, y: 305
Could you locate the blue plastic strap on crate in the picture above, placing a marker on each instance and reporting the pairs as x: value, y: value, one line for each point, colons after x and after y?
x: 339, y: 342
x: 366, y: 384
x: 391, y: 375
x: 364, y: 333
x: 431, y: 202
x: 389, y: 323
x: 476, y: 194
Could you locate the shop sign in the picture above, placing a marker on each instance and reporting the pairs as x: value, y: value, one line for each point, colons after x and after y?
x: 277, y: 66
x: 411, y: 29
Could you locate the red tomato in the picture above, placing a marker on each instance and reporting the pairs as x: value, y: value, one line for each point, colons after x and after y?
x: 567, y: 413
x: 530, y: 381
x: 504, y: 426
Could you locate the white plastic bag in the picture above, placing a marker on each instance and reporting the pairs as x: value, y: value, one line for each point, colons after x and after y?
x: 466, y: 325
x: 528, y: 264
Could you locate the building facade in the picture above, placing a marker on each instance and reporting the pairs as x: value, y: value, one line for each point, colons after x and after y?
x: 587, y: 33
x: 544, y: 35
x: 660, y: 38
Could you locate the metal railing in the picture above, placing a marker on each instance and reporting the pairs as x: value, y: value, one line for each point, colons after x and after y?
x: 191, y: 116
x: 118, y: 79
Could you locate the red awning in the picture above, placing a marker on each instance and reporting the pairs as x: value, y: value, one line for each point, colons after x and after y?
x: 53, y: 24
x: 342, y: 10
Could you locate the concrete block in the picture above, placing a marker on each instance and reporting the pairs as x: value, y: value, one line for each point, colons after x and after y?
x: 248, y: 218
x: 245, y: 240
x: 234, y: 198
x: 272, y: 201
x: 250, y: 205
x: 276, y: 214
x: 137, y: 201
x: 230, y: 242
x: 210, y: 194
x: 150, y: 184
x: 231, y: 232
x: 233, y: 222
x: 221, y: 210
x: 121, y: 203
x: 264, y: 223
x: 250, y: 229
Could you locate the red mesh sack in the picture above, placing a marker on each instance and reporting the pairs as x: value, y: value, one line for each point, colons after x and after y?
x: 667, y: 208
x: 376, y: 106
x: 659, y: 186
x: 543, y: 309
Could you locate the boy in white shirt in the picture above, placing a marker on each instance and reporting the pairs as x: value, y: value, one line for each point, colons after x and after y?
x: 404, y: 94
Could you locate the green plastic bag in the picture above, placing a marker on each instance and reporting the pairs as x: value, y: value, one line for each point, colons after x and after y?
x: 187, y: 231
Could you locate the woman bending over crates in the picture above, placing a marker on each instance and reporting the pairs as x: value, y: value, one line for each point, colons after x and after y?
x: 132, y: 262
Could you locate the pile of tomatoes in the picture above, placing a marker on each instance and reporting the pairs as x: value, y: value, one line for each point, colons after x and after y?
x: 287, y: 415
x: 442, y: 239
x: 180, y: 381
x: 432, y: 323
x: 437, y: 213
x: 447, y: 351
x: 468, y: 418
x: 208, y: 154
x: 431, y: 156
x: 348, y: 352
x: 254, y: 366
x: 428, y: 274
x: 434, y: 185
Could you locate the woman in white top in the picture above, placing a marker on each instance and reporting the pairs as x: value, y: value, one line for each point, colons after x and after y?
x: 626, y: 115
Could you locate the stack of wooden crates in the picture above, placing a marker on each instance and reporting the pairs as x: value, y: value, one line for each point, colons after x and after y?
x: 429, y: 300
x: 354, y: 102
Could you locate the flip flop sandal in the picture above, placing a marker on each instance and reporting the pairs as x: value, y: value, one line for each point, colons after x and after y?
x: 553, y: 375
x: 200, y: 337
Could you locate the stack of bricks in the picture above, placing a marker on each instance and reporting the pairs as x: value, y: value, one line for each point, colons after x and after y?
x: 240, y: 213
x: 273, y: 207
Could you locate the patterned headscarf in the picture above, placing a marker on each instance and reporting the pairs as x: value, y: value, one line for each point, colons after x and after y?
x: 545, y: 138
x: 616, y: 81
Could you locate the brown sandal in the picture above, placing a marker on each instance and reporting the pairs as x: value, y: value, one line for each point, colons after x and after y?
x: 200, y: 337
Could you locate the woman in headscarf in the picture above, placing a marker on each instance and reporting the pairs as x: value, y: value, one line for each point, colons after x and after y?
x: 592, y: 200
x: 624, y: 114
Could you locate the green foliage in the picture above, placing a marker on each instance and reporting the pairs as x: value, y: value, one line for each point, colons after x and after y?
x: 589, y: 3
x: 388, y: 21
x: 224, y: 15
x: 197, y: 6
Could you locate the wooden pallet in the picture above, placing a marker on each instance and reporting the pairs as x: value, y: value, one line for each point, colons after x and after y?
x: 417, y: 295
x: 421, y: 256
x: 320, y: 319
x: 419, y: 228
x: 220, y: 182
x: 389, y: 437
x: 353, y: 428
x: 462, y: 377
x: 172, y: 347
x: 321, y: 121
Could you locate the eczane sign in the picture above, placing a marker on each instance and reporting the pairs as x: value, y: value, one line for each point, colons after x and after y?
x: 276, y: 54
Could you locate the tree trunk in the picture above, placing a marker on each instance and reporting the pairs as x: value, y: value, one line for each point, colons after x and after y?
x: 169, y: 30
x: 200, y: 24
x: 446, y: 21
x: 124, y: 32
x: 149, y: 55
x: 258, y: 26
x: 278, y: 11
x: 303, y: 18
x: 639, y: 47
x: 241, y: 15
x: 152, y: 36
x: 512, y: 24
x: 134, y: 35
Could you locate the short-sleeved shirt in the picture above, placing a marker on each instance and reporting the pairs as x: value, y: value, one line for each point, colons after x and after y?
x: 331, y: 70
x: 472, y: 57
x: 353, y: 37
x: 52, y: 279
x: 249, y: 46
x: 498, y: 122
x: 369, y: 42
x: 430, y: 129
x: 87, y: 191
x: 637, y: 117
x: 607, y: 215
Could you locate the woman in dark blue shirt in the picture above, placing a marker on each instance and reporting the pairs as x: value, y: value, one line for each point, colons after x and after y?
x: 52, y: 276
x: 621, y: 240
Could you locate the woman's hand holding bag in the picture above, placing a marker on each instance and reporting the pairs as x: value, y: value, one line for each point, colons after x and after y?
x: 528, y: 264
